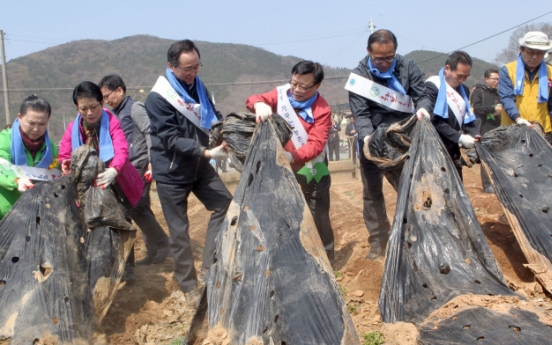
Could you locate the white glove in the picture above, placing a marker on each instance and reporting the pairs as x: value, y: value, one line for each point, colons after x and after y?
x: 263, y: 111
x: 422, y: 113
x: 218, y: 152
x: 521, y: 121
x: 23, y: 184
x: 106, y: 178
x: 289, y: 156
x: 467, y: 141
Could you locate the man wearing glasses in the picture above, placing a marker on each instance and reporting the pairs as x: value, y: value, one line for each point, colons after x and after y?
x: 301, y: 105
x: 382, y: 71
x: 452, y: 111
x: 181, y: 115
x: 524, y: 84
x: 487, y: 109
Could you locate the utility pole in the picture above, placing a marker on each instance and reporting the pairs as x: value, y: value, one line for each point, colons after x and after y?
x: 372, y: 27
x: 5, y: 79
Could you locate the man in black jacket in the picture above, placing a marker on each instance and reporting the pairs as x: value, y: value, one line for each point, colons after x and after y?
x: 382, y: 72
x: 487, y: 108
x: 352, y: 138
x: 452, y: 111
x: 333, y: 141
x: 181, y: 115
x: 136, y: 125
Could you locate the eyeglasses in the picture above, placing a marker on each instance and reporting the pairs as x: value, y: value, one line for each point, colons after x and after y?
x: 535, y: 52
x: 92, y: 108
x: 300, y: 88
x: 382, y: 59
x: 495, y: 79
x: 107, y: 94
x: 190, y: 69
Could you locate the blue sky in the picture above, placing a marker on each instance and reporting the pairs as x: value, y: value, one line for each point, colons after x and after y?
x: 333, y: 33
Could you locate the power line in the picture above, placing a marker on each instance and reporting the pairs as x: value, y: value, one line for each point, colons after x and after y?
x: 487, y: 38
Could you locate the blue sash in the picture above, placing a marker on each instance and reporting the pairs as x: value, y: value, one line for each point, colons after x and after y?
x: 105, y: 143
x: 18, y: 148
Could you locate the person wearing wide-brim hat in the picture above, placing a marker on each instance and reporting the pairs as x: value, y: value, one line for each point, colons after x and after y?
x: 524, y: 84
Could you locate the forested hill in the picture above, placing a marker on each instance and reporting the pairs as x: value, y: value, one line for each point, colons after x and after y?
x: 231, y: 72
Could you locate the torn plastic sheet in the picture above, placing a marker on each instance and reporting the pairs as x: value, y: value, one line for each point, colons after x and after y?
x: 519, y: 162
x: 236, y: 131
x: 437, y: 250
x: 58, y: 273
x: 480, y: 325
x: 271, y: 282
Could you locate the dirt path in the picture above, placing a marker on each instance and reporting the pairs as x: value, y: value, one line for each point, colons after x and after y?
x: 152, y: 310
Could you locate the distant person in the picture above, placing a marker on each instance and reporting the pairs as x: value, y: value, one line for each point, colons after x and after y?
x: 394, y: 74
x: 524, y: 84
x: 452, y: 112
x: 136, y: 126
x: 333, y: 141
x: 25, y: 143
x: 221, y: 164
x: 98, y: 128
x: 180, y: 159
x: 487, y: 110
x: 352, y: 138
x: 312, y: 116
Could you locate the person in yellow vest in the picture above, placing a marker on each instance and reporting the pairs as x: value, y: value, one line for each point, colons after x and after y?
x: 524, y: 84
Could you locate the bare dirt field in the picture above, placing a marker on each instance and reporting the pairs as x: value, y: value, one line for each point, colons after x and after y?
x: 152, y: 309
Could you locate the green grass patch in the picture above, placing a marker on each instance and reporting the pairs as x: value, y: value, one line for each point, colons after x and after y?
x: 373, y: 338
x: 353, y: 308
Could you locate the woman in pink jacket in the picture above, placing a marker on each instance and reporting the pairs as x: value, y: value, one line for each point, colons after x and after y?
x: 97, y: 127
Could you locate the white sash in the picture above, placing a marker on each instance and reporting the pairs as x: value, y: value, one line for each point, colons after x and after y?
x: 191, y: 111
x: 32, y: 173
x: 454, y: 100
x: 380, y: 94
x: 300, y: 136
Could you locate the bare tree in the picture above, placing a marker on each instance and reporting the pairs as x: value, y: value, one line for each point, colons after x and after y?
x: 511, y: 52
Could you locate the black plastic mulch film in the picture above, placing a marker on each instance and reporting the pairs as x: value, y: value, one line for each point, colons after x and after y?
x: 437, y: 251
x: 62, y: 252
x: 271, y: 282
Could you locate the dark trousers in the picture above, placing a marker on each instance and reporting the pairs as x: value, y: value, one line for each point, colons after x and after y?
x: 317, y: 196
x: 333, y: 150
x: 220, y: 164
x: 375, y: 215
x: 353, y: 148
x: 212, y: 192
x: 154, y: 235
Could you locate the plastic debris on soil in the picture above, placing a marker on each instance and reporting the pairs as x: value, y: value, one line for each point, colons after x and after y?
x: 271, y: 282
x: 519, y: 162
x: 62, y: 252
x: 438, y: 252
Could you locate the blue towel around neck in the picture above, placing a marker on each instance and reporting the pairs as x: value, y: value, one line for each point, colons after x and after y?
x: 305, y: 107
x: 208, y: 116
x: 441, y: 105
x: 105, y: 143
x: 18, y: 148
x: 393, y: 82
x: 520, y: 80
